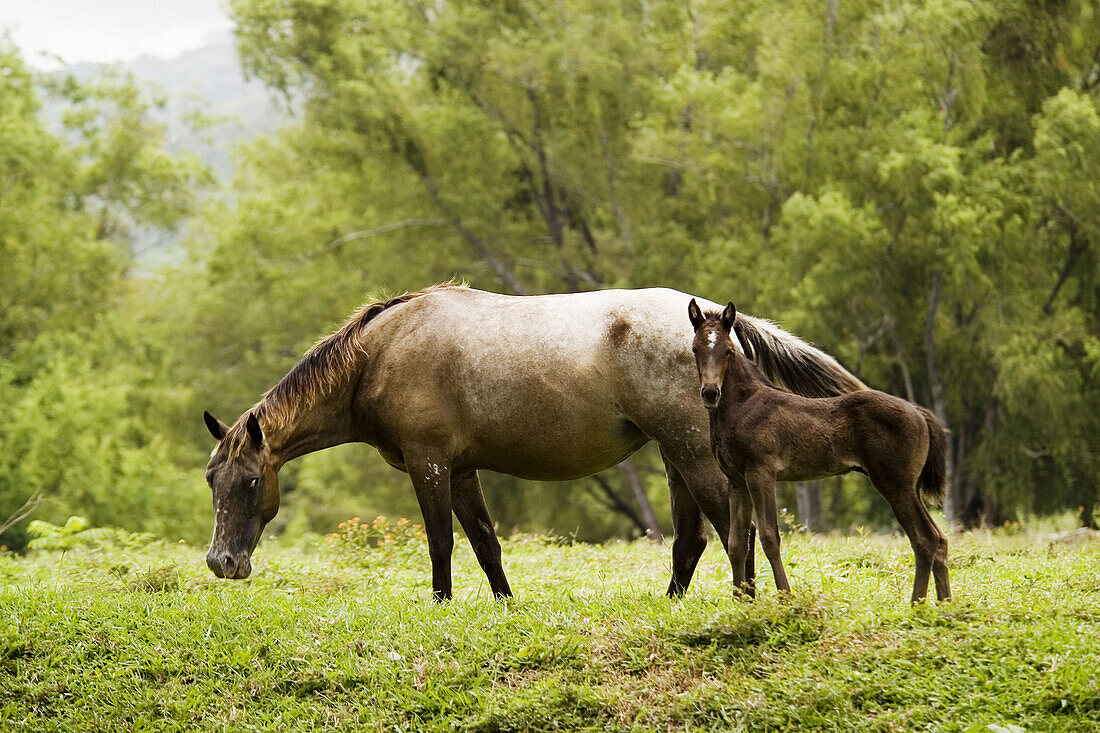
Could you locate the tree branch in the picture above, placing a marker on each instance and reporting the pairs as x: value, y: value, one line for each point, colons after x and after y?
x: 499, y: 266
x: 1075, y: 251
x: 22, y: 512
x: 614, y: 502
x: 365, y: 233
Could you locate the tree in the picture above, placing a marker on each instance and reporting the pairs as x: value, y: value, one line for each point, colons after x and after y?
x: 72, y: 381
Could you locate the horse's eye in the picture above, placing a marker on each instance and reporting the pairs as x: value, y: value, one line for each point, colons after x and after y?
x: 695, y: 349
x: 252, y: 483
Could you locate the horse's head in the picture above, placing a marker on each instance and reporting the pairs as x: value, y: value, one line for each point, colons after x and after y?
x: 244, y: 481
x: 712, y: 346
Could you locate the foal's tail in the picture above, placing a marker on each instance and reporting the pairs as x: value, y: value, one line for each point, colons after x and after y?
x: 791, y: 362
x: 933, y: 476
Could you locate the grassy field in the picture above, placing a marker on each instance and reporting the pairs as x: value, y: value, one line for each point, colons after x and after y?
x: 342, y: 636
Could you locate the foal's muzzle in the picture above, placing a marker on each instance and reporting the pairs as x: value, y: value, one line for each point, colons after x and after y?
x: 228, y: 565
x: 710, y: 394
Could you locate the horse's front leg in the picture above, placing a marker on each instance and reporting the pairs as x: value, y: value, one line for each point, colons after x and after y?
x: 431, y: 477
x: 761, y: 485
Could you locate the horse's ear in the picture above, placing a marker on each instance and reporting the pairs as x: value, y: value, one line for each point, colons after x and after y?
x: 729, y: 316
x: 254, y: 431
x: 216, y: 427
x: 695, y: 314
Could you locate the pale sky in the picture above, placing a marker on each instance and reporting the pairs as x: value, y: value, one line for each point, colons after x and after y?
x: 109, y: 30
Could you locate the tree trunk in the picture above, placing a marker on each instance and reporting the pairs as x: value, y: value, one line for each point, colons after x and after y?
x: 634, y: 481
x: 953, y: 501
x: 1087, y: 487
x: 810, y: 498
x: 610, y: 498
x: 836, y: 498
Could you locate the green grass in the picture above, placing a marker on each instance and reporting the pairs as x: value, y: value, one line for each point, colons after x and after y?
x: 116, y: 638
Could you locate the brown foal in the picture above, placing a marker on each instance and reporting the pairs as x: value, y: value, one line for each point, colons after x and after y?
x: 761, y: 434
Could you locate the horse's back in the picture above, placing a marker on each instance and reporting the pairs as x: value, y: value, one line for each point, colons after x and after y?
x: 548, y: 386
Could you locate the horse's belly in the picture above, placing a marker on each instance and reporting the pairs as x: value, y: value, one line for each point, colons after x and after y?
x: 556, y: 466
x: 550, y: 447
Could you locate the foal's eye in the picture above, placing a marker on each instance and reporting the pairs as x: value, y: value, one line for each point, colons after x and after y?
x: 252, y: 483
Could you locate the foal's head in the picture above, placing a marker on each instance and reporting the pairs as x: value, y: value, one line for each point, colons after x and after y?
x: 712, y: 347
x: 245, y: 485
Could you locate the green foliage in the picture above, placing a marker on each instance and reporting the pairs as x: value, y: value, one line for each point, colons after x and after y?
x: 76, y: 533
x: 913, y: 186
x: 117, y: 637
x: 55, y: 272
x: 893, y: 181
x: 78, y: 372
x: 76, y: 429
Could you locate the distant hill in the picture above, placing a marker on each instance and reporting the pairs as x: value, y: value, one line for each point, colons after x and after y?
x: 208, y: 80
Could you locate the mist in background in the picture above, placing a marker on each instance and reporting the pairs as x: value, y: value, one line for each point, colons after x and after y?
x: 52, y: 33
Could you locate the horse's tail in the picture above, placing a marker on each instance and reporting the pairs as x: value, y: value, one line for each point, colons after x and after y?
x: 793, y: 363
x: 933, y: 476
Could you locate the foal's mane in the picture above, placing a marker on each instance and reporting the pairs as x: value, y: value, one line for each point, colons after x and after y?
x: 322, y: 367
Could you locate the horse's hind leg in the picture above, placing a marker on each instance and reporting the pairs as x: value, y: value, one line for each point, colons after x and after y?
x: 689, y: 535
x: 697, y: 484
x: 431, y: 477
x: 928, y: 542
x: 473, y: 515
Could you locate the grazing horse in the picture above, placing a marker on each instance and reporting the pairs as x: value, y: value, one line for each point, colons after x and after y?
x: 760, y: 434
x: 449, y: 380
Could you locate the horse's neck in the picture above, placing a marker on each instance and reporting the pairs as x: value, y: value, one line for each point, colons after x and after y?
x: 324, y: 422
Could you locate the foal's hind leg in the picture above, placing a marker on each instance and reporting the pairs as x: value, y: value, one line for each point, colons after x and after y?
x: 473, y: 515
x: 939, y: 556
x: 928, y: 542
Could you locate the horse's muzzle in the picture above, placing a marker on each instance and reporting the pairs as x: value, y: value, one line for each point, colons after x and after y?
x: 710, y: 394
x: 226, y: 565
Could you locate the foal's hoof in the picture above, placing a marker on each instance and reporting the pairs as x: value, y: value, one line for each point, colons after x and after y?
x: 926, y: 600
x: 746, y: 593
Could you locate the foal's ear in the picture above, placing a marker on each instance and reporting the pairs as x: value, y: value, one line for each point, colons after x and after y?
x: 695, y: 314
x: 216, y: 427
x: 252, y: 425
x: 729, y: 316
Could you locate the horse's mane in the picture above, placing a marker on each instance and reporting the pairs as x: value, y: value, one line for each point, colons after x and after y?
x: 793, y: 364
x: 789, y: 363
x: 321, y: 368
x: 750, y: 360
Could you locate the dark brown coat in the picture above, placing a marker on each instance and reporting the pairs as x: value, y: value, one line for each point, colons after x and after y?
x: 761, y: 434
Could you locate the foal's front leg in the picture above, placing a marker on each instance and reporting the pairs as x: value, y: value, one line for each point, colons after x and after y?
x: 740, y: 541
x: 431, y: 477
x: 761, y: 485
